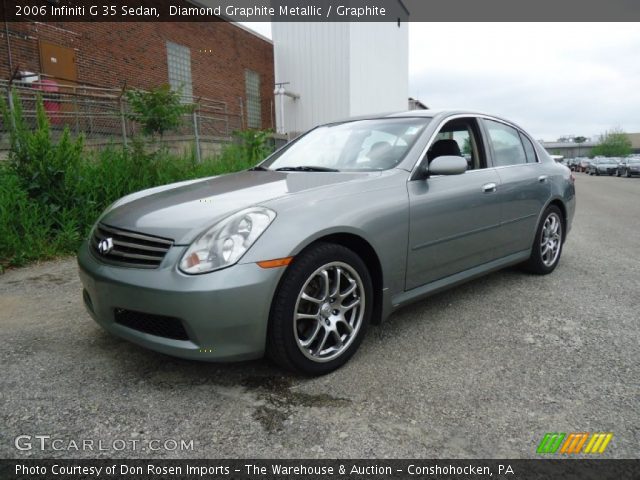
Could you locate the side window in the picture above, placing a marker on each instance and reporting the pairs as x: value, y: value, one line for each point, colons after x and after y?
x: 507, y: 147
x: 529, y: 150
x: 460, y: 138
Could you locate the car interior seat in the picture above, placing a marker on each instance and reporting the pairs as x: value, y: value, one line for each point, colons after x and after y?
x: 378, y: 153
x: 443, y: 147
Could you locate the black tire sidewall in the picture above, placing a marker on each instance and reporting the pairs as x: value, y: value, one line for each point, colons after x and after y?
x: 535, y: 263
x: 282, y: 344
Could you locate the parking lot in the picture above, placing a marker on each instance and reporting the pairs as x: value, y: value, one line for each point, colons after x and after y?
x: 483, y: 370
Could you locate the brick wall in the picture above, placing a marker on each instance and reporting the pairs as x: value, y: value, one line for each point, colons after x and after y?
x: 110, y: 54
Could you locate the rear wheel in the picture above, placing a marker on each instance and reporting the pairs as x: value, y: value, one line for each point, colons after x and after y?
x: 547, y: 246
x: 321, y: 310
x: 628, y: 174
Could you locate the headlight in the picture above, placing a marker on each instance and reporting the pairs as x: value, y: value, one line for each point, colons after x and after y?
x: 227, y: 241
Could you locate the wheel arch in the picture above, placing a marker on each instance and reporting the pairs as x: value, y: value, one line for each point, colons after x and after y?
x: 367, y: 253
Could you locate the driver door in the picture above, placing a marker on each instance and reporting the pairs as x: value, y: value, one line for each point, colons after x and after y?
x: 454, y: 220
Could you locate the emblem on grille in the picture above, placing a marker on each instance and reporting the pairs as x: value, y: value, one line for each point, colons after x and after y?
x: 105, y: 245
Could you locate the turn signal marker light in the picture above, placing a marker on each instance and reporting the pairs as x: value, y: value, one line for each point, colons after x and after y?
x: 278, y: 262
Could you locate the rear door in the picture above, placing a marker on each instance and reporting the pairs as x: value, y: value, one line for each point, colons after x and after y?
x: 524, y: 186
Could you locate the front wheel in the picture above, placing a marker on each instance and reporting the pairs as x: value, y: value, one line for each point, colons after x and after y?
x: 321, y: 311
x: 547, y: 246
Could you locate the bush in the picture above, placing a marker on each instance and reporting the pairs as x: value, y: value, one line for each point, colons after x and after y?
x: 613, y: 143
x: 24, y: 225
x: 158, y: 110
x: 52, y: 193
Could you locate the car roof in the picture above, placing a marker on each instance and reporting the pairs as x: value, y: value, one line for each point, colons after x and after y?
x: 437, y: 115
x: 421, y: 113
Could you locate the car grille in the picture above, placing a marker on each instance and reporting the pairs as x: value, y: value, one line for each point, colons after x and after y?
x: 129, y: 248
x: 159, y: 325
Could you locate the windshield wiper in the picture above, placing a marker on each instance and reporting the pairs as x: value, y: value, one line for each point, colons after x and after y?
x: 306, y: 168
x: 258, y: 168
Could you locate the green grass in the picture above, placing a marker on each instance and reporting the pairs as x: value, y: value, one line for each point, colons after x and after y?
x: 51, y: 193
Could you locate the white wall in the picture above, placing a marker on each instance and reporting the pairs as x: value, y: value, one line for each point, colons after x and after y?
x: 312, y: 56
x: 339, y: 70
x: 379, y: 66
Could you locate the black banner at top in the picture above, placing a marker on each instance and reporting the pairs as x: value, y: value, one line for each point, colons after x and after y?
x: 318, y: 10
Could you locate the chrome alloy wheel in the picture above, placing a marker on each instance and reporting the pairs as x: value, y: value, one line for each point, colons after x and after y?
x: 329, y: 311
x: 551, y: 239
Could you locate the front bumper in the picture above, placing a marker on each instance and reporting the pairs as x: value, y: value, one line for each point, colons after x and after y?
x: 224, y: 313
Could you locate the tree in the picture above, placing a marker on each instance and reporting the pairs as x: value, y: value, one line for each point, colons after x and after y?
x: 613, y: 143
x: 158, y: 110
x: 579, y: 140
x: 466, y: 149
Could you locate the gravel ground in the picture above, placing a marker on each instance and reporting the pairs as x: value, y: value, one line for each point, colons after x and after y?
x: 483, y: 370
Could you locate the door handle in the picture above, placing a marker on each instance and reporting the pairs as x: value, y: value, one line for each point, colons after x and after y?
x: 543, y: 178
x: 489, y: 188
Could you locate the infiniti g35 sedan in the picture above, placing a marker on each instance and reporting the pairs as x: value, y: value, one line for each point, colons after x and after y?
x: 297, y: 256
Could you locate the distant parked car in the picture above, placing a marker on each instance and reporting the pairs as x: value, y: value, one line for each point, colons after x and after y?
x: 583, y: 166
x: 602, y: 166
x: 573, y: 163
x: 628, y: 167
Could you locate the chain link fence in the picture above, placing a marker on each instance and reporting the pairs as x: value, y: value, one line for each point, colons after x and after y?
x: 101, y: 115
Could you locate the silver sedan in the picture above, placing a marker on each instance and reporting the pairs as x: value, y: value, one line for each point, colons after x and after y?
x: 296, y: 257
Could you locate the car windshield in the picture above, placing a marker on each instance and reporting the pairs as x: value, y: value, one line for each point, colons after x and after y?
x: 378, y: 144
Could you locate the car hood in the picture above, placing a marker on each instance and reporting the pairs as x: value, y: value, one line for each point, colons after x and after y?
x: 184, y: 210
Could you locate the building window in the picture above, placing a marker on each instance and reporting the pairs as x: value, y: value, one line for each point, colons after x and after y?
x: 179, y: 64
x: 252, y: 88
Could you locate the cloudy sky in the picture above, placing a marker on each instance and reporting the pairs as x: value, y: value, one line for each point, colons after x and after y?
x: 553, y: 79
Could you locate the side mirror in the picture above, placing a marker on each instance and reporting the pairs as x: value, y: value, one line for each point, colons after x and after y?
x: 448, y: 165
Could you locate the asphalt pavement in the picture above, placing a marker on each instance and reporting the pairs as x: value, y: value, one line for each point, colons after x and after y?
x: 483, y: 370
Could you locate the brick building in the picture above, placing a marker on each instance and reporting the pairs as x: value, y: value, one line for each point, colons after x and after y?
x: 216, y: 60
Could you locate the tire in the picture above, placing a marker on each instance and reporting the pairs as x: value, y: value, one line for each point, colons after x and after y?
x: 303, y: 310
x: 541, y: 263
x: 597, y: 173
x: 629, y: 174
x: 618, y: 173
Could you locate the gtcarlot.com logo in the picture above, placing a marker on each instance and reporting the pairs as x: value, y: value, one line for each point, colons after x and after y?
x: 574, y: 443
x: 48, y: 443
